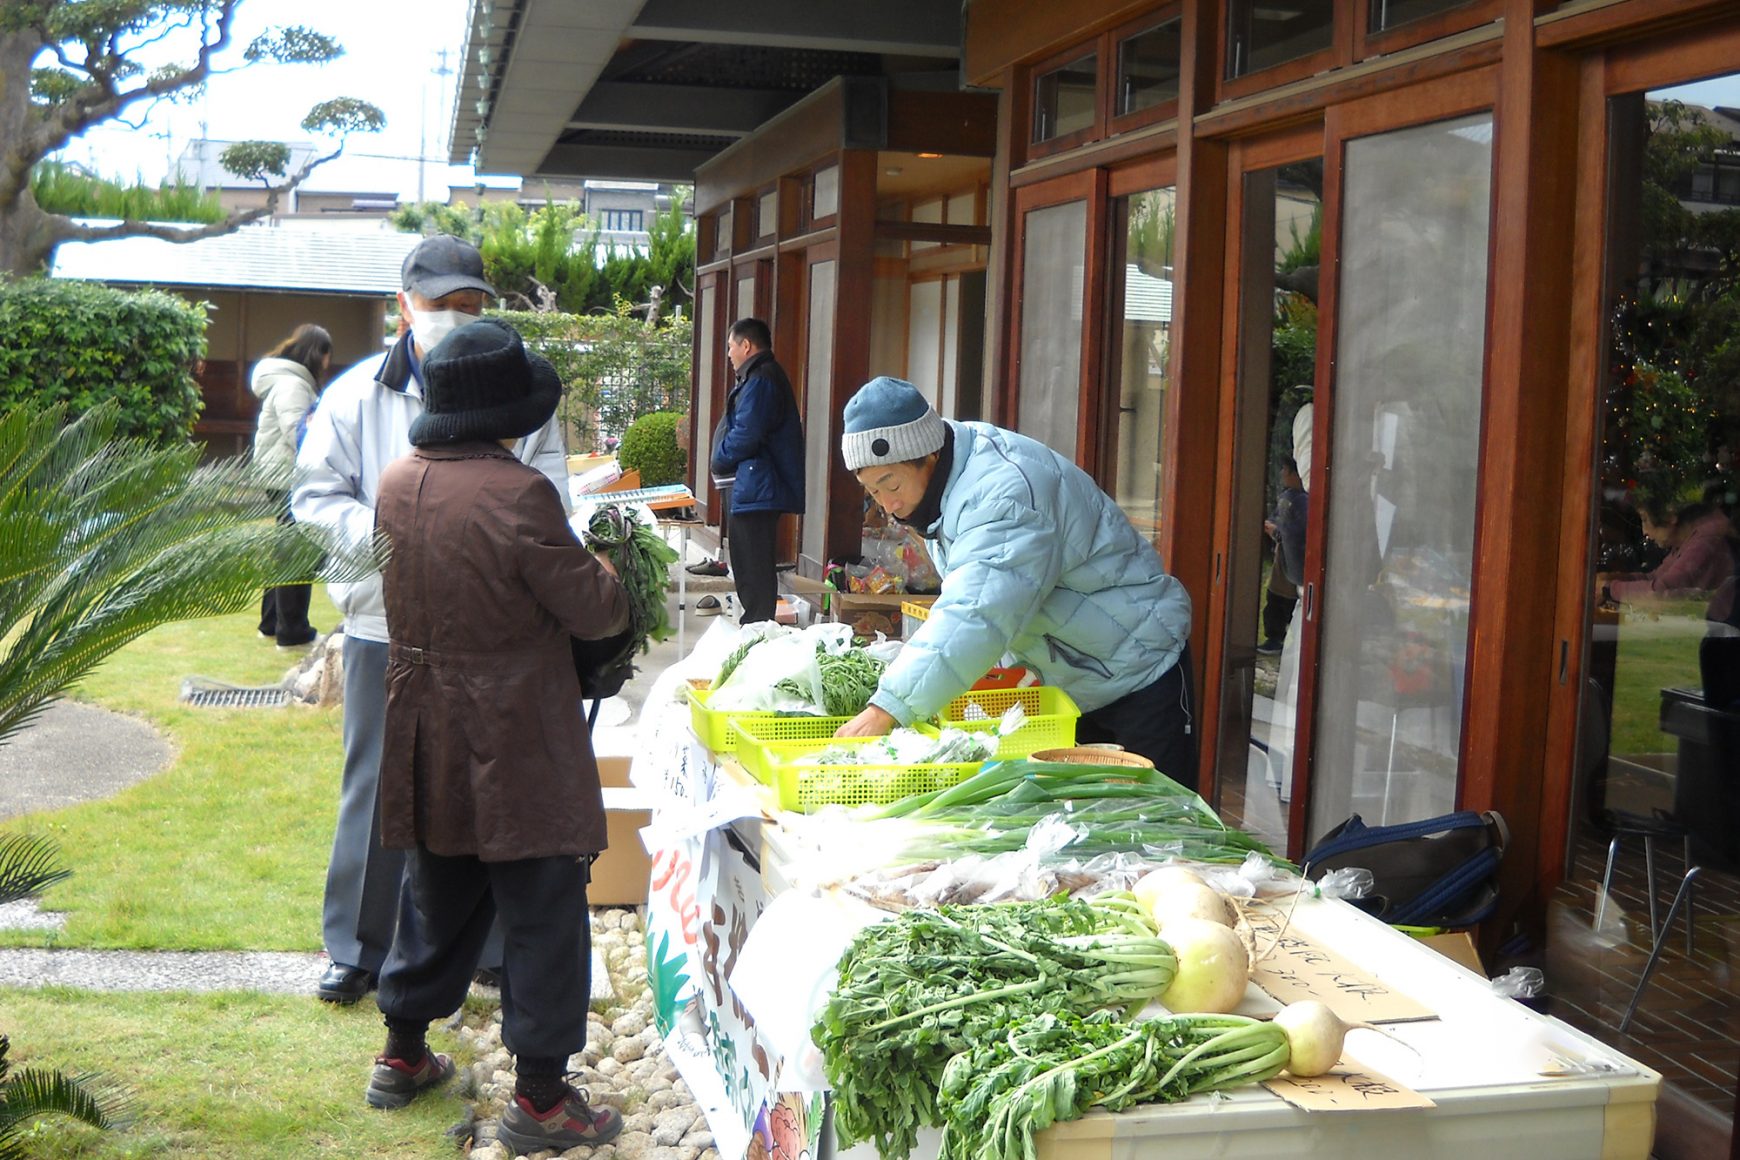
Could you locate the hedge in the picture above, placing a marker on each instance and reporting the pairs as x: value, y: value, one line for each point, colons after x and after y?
x: 81, y: 343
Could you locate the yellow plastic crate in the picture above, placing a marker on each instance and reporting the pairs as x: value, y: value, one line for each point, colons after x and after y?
x: 1051, y: 717
x: 806, y: 788
x: 912, y: 615
x: 754, y: 735
x: 714, y: 728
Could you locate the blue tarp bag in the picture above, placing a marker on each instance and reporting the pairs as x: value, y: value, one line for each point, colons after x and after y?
x: 1434, y: 872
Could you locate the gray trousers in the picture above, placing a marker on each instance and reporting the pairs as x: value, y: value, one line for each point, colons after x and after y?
x: 362, y: 880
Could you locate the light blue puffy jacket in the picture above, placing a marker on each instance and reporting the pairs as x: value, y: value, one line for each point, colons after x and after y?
x: 1039, y: 566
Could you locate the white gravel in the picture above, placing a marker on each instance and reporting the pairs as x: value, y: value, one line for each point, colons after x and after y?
x: 624, y: 1065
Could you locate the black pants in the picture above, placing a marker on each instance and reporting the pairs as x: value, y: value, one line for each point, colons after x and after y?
x: 1277, y: 614
x: 754, y: 543
x: 446, y: 907
x: 284, y: 610
x: 1157, y: 722
x: 284, y: 613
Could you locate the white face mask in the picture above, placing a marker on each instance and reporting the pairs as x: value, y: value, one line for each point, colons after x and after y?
x: 431, y: 326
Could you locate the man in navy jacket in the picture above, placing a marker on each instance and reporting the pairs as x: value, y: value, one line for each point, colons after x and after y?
x: 759, y: 442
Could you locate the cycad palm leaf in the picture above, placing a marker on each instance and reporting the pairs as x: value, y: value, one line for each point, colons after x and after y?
x: 102, y: 540
x: 29, y: 864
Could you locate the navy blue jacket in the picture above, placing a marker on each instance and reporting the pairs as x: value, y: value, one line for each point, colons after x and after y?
x: 761, y: 440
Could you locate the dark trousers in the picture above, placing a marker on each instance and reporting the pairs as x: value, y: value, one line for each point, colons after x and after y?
x: 446, y: 908
x: 284, y: 613
x: 1157, y: 722
x: 754, y: 542
x: 1277, y: 614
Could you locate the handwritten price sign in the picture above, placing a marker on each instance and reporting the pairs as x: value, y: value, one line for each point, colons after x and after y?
x: 1348, y: 1088
x: 1299, y: 968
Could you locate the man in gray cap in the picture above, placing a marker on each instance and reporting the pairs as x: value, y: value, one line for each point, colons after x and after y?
x: 361, y: 423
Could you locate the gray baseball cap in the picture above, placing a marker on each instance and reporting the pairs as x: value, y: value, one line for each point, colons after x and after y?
x: 442, y: 264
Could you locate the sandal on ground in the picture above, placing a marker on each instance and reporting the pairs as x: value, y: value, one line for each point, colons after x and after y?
x: 707, y: 606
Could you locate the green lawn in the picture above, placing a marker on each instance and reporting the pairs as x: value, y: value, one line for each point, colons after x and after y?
x: 224, y: 1076
x: 226, y: 849
x: 1658, y: 649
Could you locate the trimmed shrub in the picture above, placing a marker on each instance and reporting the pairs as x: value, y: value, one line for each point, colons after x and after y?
x: 650, y: 447
x: 81, y: 343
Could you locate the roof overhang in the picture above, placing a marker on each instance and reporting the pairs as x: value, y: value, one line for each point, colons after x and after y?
x: 651, y: 89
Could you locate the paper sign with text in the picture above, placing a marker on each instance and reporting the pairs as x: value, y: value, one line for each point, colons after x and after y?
x: 1299, y: 968
x: 1347, y: 1087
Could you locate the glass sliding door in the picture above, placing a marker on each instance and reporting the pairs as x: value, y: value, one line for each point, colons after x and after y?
x: 1141, y: 326
x: 1403, y: 459
x: 1054, y: 254
x: 1277, y: 244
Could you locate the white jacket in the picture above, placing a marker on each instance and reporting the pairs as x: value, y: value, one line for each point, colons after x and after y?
x: 285, y: 389
x: 361, y: 424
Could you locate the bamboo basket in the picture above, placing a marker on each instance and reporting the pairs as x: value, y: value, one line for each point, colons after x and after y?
x: 1092, y: 755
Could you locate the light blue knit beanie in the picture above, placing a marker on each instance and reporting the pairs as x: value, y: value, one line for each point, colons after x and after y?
x: 889, y: 421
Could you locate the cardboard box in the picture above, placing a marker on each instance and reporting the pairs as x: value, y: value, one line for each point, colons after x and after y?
x: 1458, y: 947
x: 613, y: 768
x: 870, y: 613
x: 619, y: 877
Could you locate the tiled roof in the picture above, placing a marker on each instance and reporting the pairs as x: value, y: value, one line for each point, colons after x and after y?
x: 254, y: 257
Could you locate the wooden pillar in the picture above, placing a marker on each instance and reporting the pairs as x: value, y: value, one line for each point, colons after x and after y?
x: 1511, y: 662
x: 1188, y: 484
x: 852, y: 296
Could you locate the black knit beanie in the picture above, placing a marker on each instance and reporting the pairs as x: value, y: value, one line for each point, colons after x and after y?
x: 480, y: 383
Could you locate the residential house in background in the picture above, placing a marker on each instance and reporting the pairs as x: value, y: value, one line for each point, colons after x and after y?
x: 260, y: 283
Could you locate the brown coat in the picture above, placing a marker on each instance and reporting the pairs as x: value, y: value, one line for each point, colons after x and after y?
x: 487, y: 751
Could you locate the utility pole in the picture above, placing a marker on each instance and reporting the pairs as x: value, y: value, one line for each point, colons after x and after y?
x: 441, y: 72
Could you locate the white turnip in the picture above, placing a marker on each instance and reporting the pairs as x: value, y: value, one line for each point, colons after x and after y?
x: 1157, y: 882
x: 1191, y: 901
x: 1314, y: 1036
x: 1213, y: 967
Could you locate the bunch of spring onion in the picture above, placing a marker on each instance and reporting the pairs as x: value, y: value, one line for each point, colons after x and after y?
x: 995, y: 1096
x: 914, y: 992
x: 1109, y: 808
x: 848, y: 681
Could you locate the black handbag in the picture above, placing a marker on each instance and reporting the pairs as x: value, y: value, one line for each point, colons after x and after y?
x: 1435, y: 872
x: 603, y: 665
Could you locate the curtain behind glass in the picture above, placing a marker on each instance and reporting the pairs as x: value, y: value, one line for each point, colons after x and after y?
x: 1051, y: 290
x: 1403, y: 466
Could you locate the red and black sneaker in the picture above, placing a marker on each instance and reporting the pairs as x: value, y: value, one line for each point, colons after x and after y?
x: 396, y: 1083
x: 570, y: 1123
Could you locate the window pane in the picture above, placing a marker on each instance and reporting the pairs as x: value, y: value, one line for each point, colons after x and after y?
x: 708, y: 346
x: 1148, y: 68
x: 1143, y: 340
x: 1387, y: 14
x: 924, y: 338
x: 1063, y: 99
x: 1404, y: 457
x: 1659, y: 734
x: 826, y: 201
x: 1261, y: 33
x: 1051, y: 289
x: 818, y: 394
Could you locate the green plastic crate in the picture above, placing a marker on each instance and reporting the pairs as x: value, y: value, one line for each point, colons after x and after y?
x: 1051, y: 717
x: 806, y: 788
x: 715, y: 732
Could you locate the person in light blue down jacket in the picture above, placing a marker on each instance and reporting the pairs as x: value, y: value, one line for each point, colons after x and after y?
x: 1038, y: 566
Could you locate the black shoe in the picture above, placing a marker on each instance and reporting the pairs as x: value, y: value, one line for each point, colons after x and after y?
x: 343, y: 984
x: 1269, y: 648
x: 297, y: 640
x: 709, y: 568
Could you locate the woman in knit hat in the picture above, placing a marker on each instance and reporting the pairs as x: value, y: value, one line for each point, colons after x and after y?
x: 487, y: 771
x: 1038, y: 567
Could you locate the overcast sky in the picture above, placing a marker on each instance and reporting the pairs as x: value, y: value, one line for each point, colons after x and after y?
x: 392, y: 52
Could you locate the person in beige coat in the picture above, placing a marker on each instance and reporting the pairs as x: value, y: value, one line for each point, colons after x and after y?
x: 487, y: 773
x: 287, y: 381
